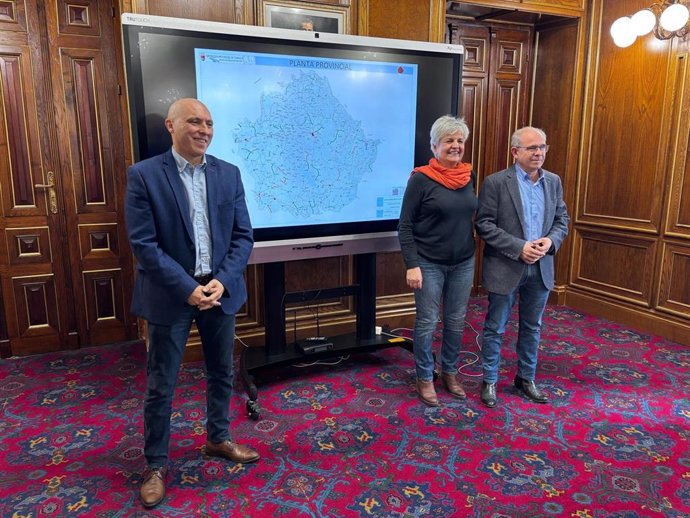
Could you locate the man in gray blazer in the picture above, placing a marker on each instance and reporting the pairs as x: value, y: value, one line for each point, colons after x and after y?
x: 523, y: 220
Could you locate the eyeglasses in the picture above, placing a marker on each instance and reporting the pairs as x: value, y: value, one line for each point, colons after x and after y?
x: 534, y: 149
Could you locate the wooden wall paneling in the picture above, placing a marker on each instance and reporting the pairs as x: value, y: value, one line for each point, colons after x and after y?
x: 555, y: 67
x: 20, y: 148
x: 630, y: 187
x: 91, y: 172
x: 63, y: 150
x: 678, y: 221
x: 394, y: 297
x: 548, y: 5
x: 28, y: 245
x: 395, y: 301
x: 28, y: 264
x: 102, y: 271
x: 472, y: 109
x: 420, y: 20
x: 5, y: 346
x: 437, y: 17
x: 391, y: 271
x: 618, y: 265
x: 504, y: 96
x: 57, y: 137
x: 315, y: 274
x: 572, y: 8
x: 12, y: 16
x: 37, y: 305
x: 476, y: 44
x: 674, y: 285
x: 637, y: 317
x: 509, y: 84
x: 555, y: 107
x: 211, y: 10
x: 674, y: 289
x: 106, y: 308
x: 250, y: 315
x: 623, y: 174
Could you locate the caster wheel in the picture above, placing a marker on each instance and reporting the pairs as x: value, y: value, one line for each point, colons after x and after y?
x: 253, y: 410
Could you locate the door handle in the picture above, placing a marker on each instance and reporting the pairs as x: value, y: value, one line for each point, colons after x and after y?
x: 50, y: 187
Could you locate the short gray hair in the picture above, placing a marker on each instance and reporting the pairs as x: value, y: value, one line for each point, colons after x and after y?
x: 446, y: 125
x: 516, y: 139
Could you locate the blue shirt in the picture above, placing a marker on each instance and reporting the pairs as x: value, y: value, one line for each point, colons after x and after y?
x: 194, y: 180
x: 532, y: 195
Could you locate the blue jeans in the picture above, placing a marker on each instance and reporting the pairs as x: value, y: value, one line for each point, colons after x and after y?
x: 450, y: 285
x: 166, y: 348
x: 533, y: 296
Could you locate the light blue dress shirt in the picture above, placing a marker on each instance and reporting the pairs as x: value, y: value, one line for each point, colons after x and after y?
x: 532, y: 194
x: 194, y: 180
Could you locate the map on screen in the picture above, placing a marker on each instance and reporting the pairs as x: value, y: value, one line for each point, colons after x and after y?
x: 318, y: 140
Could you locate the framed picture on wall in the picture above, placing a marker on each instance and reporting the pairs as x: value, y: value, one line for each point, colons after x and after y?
x: 304, y: 16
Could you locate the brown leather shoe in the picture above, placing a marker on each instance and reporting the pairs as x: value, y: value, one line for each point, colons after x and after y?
x: 427, y: 393
x: 232, y: 451
x: 152, y: 491
x: 450, y: 381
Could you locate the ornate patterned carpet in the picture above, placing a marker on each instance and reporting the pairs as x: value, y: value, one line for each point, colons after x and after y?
x: 353, y: 440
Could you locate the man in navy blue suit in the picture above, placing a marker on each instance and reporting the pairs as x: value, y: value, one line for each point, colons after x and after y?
x: 190, y: 232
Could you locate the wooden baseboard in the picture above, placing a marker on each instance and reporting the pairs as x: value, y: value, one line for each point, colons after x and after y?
x: 646, y: 320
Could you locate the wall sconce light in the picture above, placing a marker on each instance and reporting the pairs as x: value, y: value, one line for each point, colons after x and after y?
x: 665, y: 19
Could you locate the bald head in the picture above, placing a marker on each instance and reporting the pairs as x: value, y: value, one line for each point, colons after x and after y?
x: 180, y: 105
x: 191, y: 127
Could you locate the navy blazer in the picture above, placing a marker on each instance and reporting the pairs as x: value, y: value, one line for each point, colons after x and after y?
x: 500, y: 223
x: 162, y: 240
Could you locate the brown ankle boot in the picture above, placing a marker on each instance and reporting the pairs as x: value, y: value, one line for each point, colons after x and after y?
x: 427, y: 393
x: 450, y: 381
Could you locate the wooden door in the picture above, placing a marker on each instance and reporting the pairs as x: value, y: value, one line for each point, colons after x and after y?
x: 65, y: 268
x: 509, y: 87
x: 495, y: 89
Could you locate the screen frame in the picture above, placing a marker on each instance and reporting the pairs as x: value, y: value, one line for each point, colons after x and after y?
x: 311, y: 241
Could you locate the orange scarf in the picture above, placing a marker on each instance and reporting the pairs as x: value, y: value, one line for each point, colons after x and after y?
x: 454, y: 178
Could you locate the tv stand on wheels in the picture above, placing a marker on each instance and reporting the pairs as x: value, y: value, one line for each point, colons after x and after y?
x: 278, y: 353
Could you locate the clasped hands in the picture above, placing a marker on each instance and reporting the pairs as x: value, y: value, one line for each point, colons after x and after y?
x: 535, y: 250
x: 206, y: 297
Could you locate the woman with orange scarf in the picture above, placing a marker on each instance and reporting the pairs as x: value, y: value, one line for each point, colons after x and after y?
x: 437, y: 241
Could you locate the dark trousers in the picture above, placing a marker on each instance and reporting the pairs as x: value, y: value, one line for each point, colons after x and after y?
x: 166, y: 348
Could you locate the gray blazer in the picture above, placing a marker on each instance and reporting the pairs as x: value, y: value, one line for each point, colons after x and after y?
x: 500, y: 223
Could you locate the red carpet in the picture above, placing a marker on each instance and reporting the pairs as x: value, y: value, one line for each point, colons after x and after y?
x: 353, y: 440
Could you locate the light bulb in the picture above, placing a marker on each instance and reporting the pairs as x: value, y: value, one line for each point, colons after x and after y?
x: 620, y: 27
x: 623, y: 32
x: 625, y: 40
x: 674, y: 17
x: 643, y: 22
